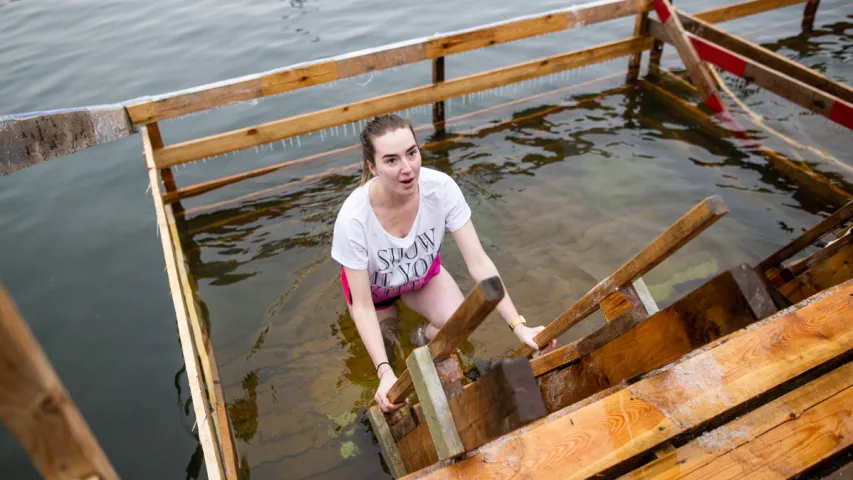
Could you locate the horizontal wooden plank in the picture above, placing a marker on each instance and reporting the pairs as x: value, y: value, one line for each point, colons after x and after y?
x: 751, y: 426
x: 829, y: 271
x: 638, y: 419
x: 694, y: 222
x: 335, y: 116
x: 32, y: 138
x: 205, y: 97
x: 743, y: 9
x: 810, y: 236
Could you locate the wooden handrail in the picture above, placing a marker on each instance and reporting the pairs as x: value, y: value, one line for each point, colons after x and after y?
x: 170, y: 105
x: 694, y: 222
x: 37, y: 409
x: 474, y: 309
x: 302, y: 124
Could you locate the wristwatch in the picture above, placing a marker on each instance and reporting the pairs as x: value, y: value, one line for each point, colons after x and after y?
x: 517, y: 322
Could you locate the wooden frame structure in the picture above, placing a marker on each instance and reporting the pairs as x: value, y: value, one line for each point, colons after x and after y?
x: 450, y: 419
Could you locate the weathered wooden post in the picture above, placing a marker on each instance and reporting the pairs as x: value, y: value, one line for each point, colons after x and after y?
x: 438, y: 107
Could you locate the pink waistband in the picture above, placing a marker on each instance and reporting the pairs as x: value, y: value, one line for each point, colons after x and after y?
x: 384, y: 298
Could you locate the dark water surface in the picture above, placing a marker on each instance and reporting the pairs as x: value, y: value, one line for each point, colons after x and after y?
x: 567, y: 178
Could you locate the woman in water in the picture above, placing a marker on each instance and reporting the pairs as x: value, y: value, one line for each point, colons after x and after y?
x: 387, y: 238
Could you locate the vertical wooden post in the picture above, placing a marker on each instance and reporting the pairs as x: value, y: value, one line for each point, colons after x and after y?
x: 166, y: 174
x: 434, y: 402
x: 808, y: 15
x: 640, y: 28
x: 386, y: 442
x: 656, y: 53
x: 38, y: 411
x: 438, y: 107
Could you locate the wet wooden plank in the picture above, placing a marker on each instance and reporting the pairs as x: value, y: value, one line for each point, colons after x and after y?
x: 201, y: 404
x: 694, y: 222
x: 33, y: 138
x: 434, y: 402
x: 726, y: 303
x: 751, y: 427
x: 301, y: 124
x: 795, y: 91
x: 478, y: 304
x: 766, y: 57
x: 830, y: 271
x: 671, y: 25
x: 622, y: 310
x: 37, y: 409
x: 386, y: 442
x: 792, y: 448
x: 205, y: 97
x: 810, y: 236
x: 743, y: 9
x: 640, y: 418
x: 417, y: 449
x: 811, y: 261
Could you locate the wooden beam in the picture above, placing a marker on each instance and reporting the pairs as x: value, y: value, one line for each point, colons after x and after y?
x: 726, y: 303
x: 808, y: 16
x: 830, y: 271
x: 676, y: 35
x: 478, y: 304
x: 751, y: 428
x: 206, y: 357
x: 386, y: 442
x: 793, y: 90
x: 417, y: 449
x: 438, y: 107
x: 638, y: 419
x: 640, y: 26
x: 433, y: 399
x: 694, y: 222
x: 301, y: 124
x: 830, y: 223
x: 37, y: 409
x: 811, y: 261
x: 804, y: 177
x: 31, y: 138
x: 205, y: 97
x: 201, y: 405
x: 766, y: 57
x: 622, y: 310
x: 743, y: 9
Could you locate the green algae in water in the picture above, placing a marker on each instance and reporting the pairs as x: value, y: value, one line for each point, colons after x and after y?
x: 706, y: 269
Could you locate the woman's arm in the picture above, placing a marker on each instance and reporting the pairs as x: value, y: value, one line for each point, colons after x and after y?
x: 367, y: 323
x: 480, y: 266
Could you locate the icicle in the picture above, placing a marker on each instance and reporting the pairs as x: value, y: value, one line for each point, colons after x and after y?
x: 298, y: 142
x: 291, y: 141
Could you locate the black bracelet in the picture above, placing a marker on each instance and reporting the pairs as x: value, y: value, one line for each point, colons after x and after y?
x: 383, y: 363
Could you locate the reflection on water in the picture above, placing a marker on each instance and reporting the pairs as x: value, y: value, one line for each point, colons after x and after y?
x: 563, y: 189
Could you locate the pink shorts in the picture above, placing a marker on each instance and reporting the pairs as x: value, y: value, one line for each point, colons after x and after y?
x: 385, y: 302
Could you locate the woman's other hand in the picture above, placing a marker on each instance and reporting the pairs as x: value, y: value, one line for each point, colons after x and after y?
x: 527, y: 334
x: 386, y: 381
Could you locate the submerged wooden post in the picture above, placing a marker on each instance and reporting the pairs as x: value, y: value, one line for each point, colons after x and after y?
x: 386, y: 441
x: 640, y: 29
x: 38, y: 411
x: 438, y: 107
x: 694, y: 222
x: 808, y: 15
x: 656, y: 52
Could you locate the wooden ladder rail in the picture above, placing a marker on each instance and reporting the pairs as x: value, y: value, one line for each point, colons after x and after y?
x: 694, y: 222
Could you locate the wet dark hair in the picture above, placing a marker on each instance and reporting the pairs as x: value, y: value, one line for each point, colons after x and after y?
x: 376, y: 128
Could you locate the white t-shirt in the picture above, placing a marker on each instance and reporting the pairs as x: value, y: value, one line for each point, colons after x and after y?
x: 398, y: 265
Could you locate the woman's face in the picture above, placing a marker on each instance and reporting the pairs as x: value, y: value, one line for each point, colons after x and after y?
x: 397, y: 161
